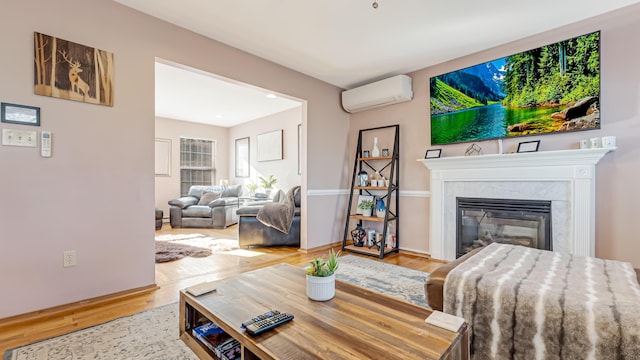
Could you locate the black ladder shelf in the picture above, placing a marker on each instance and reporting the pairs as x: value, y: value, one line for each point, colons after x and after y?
x: 385, y: 240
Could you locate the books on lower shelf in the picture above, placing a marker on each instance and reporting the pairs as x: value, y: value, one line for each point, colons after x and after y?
x: 215, y: 339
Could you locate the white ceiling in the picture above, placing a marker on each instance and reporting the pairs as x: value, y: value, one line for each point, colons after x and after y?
x: 349, y: 43
x: 188, y: 94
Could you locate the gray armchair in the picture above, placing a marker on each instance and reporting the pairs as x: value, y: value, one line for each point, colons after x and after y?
x: 216, y: 209
x: 251, y: 232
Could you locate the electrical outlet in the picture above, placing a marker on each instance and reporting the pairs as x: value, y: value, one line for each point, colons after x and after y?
x: 69, y: 258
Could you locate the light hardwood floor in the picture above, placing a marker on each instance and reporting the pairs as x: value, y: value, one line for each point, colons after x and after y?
x: 170, y: 278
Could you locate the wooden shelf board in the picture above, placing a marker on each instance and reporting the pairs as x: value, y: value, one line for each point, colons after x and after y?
x: 371, y: 218
x: 366, y: 251
x: 375, y: 158
x: 382, y: 188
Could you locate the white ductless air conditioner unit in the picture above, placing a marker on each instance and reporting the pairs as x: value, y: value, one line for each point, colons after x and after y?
x: 385, y: 92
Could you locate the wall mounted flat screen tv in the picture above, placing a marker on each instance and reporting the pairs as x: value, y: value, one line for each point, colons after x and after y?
x: 551, y: 89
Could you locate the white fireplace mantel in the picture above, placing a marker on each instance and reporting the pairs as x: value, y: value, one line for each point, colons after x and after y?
x: 566, y: 177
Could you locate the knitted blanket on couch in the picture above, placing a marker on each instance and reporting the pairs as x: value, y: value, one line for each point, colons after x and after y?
x: 526, y: 303
x: 279, y: 215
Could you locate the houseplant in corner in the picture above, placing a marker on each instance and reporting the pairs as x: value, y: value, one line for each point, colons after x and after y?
x: 267, y: 184
x: 321, y: 277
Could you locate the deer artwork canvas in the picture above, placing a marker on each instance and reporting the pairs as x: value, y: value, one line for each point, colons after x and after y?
x: 67, y: 70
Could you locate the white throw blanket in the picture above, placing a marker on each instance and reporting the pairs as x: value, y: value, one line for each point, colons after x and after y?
x: 524, y: 303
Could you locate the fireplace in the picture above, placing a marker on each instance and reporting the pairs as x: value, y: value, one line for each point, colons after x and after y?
x: 482, y: 221
x: 564, y: 177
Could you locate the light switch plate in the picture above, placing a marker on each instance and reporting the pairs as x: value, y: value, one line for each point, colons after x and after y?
x: 14, y: 137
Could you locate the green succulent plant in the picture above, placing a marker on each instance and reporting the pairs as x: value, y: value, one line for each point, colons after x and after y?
x: 322, y: 268
x: 366, y: 204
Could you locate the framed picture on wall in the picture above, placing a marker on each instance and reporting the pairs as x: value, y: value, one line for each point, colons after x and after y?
x: 163, y: 157
x: 270, y: 146
x: 243, y: 163
x: 20, y: 114
x: 299, y: 149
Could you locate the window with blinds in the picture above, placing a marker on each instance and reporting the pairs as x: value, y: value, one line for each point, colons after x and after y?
x: 197, y: 163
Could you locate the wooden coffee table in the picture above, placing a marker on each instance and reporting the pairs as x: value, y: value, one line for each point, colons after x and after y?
x: 356, y: 324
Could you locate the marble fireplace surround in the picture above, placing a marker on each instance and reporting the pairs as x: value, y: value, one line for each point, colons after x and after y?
x: 564, y: 177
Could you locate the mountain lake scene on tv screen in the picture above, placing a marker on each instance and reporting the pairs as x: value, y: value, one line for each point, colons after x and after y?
x: 553, y: 88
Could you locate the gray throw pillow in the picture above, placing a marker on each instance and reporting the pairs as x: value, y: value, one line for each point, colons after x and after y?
x: 278, y: 197
x: 232, y: 191
x: 207, y: 197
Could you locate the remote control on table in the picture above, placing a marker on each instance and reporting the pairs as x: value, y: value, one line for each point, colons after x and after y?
x: 260, y: 317
x: 269, y: 323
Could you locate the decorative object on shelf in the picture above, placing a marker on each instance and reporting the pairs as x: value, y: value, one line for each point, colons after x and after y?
x: 385, y: 152
x: 584, y: 144
x: 321, y: 277
x: 371, y: 238
x: 529, y: 146
x: 363, y: 178
x: 380, y: 208
x: 361, y: 199
x: 267, y: 183
x: 365, y: 154
x: 608, y: 141
x: 473, y: 150
x: 433, y: 153
x: 376, y: 151
x: 366, y: 206
x: 376, y: 176
x: 358, y: 235
x: 595, y: 143
x: 72, y: 71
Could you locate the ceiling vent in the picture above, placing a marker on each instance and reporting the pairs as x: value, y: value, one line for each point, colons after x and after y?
x: 380, y: 93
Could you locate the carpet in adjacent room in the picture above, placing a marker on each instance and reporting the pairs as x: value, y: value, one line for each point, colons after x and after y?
x: 170, y: 247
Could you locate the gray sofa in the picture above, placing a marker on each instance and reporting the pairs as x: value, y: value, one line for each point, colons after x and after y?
x: 190, y: 212
x: 251, y: 232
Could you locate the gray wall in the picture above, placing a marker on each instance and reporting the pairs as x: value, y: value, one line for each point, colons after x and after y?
x: 96, y: 194
x: 617, y: 197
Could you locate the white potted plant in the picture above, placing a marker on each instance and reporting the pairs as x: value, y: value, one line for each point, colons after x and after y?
x: 367, y: 207
x: 321, y: 277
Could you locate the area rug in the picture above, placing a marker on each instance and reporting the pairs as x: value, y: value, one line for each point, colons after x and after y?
x: 397, y: 281
x: 153, y: 334
x: 149, y: 335
x: 171, y: 247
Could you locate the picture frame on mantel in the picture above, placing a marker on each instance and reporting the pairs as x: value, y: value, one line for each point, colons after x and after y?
x: 528, y: 146
x: 433, y: 153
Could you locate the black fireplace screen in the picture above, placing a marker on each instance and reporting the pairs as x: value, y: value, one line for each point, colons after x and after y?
x: 481, y: 222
